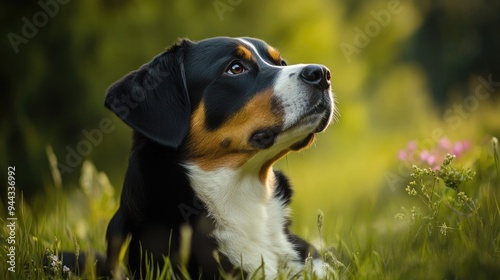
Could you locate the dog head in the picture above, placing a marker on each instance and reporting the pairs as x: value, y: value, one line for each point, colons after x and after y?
x: 225, y: 102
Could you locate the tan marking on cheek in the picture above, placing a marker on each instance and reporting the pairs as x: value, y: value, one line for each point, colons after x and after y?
x: 244, y: 53
x: 275, y: 54
x: 266, y: 167
x: 228, y: 145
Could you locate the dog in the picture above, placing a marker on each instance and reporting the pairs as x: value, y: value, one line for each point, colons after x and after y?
x: 209, y: 120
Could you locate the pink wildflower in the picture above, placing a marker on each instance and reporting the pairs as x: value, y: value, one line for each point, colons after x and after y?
x: 403, y: 155
x: 460, y: 147
x: 435, y: 155
x: 424, y: 155
x: 445, y: 143
x: 428, y: 157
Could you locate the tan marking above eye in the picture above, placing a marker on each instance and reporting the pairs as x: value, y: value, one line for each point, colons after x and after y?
x: 228, y: 145
x: 244, y: 53
x: 275, y: 54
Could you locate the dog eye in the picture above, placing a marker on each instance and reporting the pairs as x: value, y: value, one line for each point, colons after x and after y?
x: 236, y: 68
x: 283, y: 63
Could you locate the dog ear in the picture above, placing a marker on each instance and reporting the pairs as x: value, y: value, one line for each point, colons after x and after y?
x: 154, y: 100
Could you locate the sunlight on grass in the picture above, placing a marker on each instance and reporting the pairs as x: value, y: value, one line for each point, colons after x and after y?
x: 442, y: 223
x: 373, y: 192
x: 379, y: 218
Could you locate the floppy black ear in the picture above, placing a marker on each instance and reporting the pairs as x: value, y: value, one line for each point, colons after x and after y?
x: 153, y: 100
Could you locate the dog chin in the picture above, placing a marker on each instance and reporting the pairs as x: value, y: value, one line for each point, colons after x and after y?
x: 304, y: 143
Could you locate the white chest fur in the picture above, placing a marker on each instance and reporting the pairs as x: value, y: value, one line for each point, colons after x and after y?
x: 249, y: 219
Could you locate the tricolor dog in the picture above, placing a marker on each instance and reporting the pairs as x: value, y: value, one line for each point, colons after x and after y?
x: 210, y: 118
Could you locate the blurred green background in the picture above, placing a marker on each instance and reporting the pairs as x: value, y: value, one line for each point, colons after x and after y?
x: 402, y: 70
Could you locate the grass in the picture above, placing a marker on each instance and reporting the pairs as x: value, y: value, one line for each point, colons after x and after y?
x: 438, y: 223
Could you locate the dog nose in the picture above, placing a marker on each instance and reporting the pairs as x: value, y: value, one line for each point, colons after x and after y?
x: 316, y: 75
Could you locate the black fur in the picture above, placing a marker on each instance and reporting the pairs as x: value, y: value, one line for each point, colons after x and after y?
x: 157, y: 101
x: 156, y: 92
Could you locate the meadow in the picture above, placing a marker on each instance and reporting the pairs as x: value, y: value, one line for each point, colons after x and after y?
x: 439, y: 221
x: 413, y: 82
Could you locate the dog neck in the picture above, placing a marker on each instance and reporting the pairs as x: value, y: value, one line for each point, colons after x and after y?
x: 226, y: 190
x: 249, y: 217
